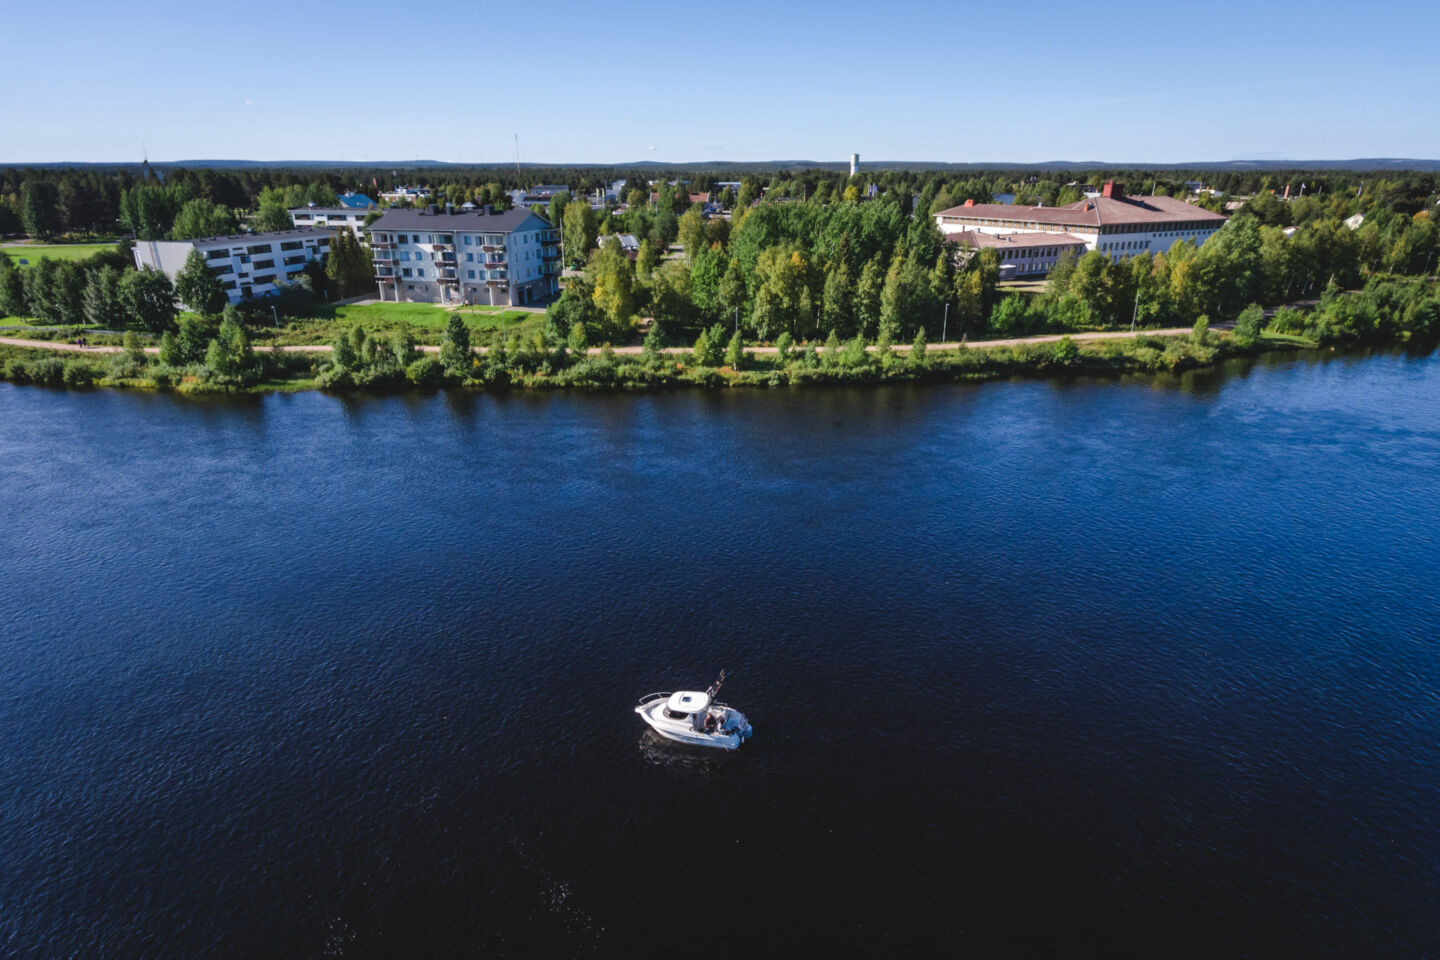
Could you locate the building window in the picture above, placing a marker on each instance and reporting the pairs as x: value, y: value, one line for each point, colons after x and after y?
x: 291, y: 245
x: 470, y: 274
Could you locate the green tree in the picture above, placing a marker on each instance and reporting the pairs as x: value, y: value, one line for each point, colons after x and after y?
x: 149, y: 299
x: 272, y: 212
x: 837, y: 299
x: 39, y: 209
x: 556, y: 213
x: 612, y: 277
x: 171, y: 353
x: 1248, y: 326
x: 194, y: 337
x: 342, y: 352
x: 348, y: 266
x: 455, y: 352
x: 707, y: 351
x: 104, y: 306
x: 201, y: 218
x: 229, y: 354
x: 692, y: 230
x: 578, y: 232
x: 918, y: 348
x: 645, y: 261
x: 12, y: 290
x: 1201, y: 331
x: 198, y: 288
x: 735, y: 351
x: 783, y: 343
x: 867, y: 298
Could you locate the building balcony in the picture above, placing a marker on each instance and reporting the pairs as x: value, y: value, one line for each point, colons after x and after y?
x: 384, y: 256
x: 382, y: 245
x: 492, y: 248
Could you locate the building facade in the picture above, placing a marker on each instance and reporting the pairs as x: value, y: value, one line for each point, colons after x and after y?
x: 1116, y: 225
x: 248, y: 265
x: 485, y: 256
x: 330, y: 218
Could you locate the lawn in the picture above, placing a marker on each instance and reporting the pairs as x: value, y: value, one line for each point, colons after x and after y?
x: 425, y: 321
x: 32, y: 252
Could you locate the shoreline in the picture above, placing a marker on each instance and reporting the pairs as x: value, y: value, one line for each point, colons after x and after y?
x: 1049, y: 356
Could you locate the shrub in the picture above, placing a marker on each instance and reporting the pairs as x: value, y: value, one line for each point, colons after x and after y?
x: 428, y: 371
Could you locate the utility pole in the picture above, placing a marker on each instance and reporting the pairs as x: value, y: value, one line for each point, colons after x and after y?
x: 945, y: 324
x: 1136, y: 312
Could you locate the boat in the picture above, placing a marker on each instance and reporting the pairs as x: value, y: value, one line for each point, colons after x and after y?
x: 695, y: 717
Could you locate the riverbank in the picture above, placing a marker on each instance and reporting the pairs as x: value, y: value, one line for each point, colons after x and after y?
x: 291, y: 368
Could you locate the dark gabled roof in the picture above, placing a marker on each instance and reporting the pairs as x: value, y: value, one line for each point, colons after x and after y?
x: 332, y: 211
x: 503, y: 221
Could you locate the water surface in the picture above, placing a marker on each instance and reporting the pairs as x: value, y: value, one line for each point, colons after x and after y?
x: 1139, y: 668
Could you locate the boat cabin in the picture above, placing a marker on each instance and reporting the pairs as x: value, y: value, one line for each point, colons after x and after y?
x: 689, y: 705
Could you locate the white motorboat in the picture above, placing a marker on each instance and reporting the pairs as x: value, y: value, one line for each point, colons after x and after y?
x: 694, y: 716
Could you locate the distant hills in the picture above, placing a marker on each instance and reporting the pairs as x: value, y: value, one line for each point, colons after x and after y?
x: 1368, y: 164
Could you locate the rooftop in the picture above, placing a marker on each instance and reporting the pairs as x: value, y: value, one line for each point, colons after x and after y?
x: 500, y: 221
x: 1014, y: 240
x: 232, y: 238
x: 1111, y: 208
x: 332, y: 211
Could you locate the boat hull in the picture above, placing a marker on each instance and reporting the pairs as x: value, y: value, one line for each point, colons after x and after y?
x: 681, y: 731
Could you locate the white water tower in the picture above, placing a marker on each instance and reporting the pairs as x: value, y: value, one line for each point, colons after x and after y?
x: 854, y: 164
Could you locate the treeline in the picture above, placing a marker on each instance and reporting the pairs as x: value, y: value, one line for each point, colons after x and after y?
x: 54, y: 201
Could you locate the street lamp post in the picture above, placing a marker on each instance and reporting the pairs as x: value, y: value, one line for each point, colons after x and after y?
x: 945, y: 324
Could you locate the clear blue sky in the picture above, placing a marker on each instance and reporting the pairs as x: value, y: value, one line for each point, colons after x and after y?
x: 610, y: 83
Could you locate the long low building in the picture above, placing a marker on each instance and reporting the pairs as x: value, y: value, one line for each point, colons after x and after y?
x: 1112, y: 223
x: 331, y: 218
x: 501, y: 257
x: 247, y: 264
x: 1020, y: 253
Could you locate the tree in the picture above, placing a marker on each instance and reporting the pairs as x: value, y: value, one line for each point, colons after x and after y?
x: 837, y: 299
x: 229, y: 354
x: 149, y: 210
x: 578, y: 232
x: 149, y: 299
x: 783, y: 343
x: 348, y: 267
x: 646, y: 260
x: 867, y: 298
x: 171, y: 353
x: 201, y: 218
x: 735, y: 351
x: 12, y: 290
x: 558, y: 203
x: 692, y: 230
x: 39, y: 209
x: 707, y: 352
x: 894, y: 301
x: 917, y: 348
x: 613, y: 278
x: 198, y: 288
x: 1247, y: 326
x: 271, y: 214
x: 104, y: 306
x: 455, y: 352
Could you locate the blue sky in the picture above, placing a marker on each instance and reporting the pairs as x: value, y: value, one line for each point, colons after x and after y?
x: 905, y: 80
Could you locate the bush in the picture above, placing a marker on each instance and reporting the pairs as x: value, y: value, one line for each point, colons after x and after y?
x: 78, y: 373
x: 428, y: 371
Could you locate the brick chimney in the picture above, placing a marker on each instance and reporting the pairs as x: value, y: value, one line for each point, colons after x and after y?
x: 1113, y: 190
x: 969, y: 203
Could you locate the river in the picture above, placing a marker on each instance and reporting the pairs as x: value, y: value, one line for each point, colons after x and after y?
x: 1144, y: 667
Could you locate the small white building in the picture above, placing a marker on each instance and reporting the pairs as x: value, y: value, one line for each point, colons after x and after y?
x: 501, y: 257
x: 1020, y: 254
x: 248, y: 265
x: 1112, y: 223
x: 330, y: 218
x: 406, y: 195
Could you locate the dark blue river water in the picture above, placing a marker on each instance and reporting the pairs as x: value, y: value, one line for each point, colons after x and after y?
x: 1146, y: 668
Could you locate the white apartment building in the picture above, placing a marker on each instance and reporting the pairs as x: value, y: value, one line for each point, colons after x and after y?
x: 1020, y: 254
x: 330, y: 218
x: 248, y: 265
x: 1112, y: 223
x: 504, y: 257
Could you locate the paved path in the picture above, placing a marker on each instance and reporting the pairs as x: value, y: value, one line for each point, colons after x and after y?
x: 631, y: 351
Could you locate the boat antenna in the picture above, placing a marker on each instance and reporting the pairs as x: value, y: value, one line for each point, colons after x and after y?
x: 715, y: 687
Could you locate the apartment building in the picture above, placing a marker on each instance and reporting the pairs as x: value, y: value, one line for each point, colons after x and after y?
x: 248, y: 265
x: 330, y: 218
x: 485, y: 256
x: 1112, y: 223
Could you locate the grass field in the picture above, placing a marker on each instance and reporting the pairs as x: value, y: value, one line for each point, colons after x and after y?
x: 32, y: 252
x: 425, y: 321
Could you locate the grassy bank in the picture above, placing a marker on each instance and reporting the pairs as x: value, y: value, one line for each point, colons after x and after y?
x: 31, y: 253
